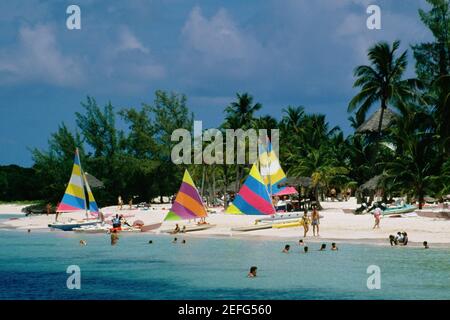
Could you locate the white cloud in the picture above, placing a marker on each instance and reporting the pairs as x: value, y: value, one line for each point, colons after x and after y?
x: 217, y: 38
x: 38, y: 58
x: 128, y: 41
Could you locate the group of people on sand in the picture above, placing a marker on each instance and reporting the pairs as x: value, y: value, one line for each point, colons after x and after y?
x: 314, y: 222
x: 401, y: 238
x: 178, y: 230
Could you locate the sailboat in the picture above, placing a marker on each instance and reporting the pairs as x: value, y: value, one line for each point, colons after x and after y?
x: 253, y: 198
x: 188, y: 205
x: 78, y: 197
x: 270, y: 168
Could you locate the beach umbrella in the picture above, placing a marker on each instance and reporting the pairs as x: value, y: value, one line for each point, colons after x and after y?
x: 286, y: 191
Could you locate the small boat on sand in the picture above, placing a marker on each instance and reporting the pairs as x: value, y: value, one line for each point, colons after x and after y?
x: 253, y: 227
x: 69, y: 226
x: 287, y: 225
x: 191, y: 228
x: 281, y: 217
x: 399, y: 210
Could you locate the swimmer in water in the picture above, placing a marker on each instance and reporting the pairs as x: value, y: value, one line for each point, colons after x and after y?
x: 334, y: 247
x: 174, y: 240
x: 83, y: 243
x: 301, y: 243
x: 150, y: 241
x: 305, y: 249
x: 323, y: 247
x: 183, y: 242
x: 425, y: 245
x: 286, y: 248
x: 252, y: 272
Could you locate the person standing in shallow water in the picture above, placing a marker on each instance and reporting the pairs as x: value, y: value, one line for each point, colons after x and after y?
x: 252, y: 272
x: 114, y: 237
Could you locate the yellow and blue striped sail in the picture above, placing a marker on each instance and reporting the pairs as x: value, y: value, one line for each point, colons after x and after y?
x: 74, y: 198
x: 270, y: 168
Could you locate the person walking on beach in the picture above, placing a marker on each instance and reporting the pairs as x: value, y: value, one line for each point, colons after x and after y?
x: 48, y: 208
x: 120, y: 202
x: 377, y: 217
x: 305, y: 223
x: 315, y: 217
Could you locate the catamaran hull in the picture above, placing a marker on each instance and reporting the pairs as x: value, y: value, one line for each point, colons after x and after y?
x: 71, y: 226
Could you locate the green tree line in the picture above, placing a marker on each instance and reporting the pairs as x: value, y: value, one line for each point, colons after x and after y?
x: 411, y: 154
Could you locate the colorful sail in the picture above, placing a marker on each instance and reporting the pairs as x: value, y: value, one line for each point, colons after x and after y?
x: 253, y: 197
x: 93, y: 208
x: 188, y: 203
x: 74, y: 198
x: 271, y: 170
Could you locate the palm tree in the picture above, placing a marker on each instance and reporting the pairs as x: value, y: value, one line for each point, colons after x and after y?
x: 417, y: 159
x: 293, y: 118
x: 320, y: 166
x: 240, y: 115
x: 381, y: 81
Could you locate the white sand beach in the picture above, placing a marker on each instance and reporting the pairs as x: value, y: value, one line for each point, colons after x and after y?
x: 334, y: 225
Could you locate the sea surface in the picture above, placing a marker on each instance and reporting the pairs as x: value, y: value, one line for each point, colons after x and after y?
x: 33, y: 266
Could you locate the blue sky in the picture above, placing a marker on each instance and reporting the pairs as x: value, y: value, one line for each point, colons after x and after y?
x: 289, y: 52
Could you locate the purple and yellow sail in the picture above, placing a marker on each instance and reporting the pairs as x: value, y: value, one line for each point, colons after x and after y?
x: 253, y: 197
x: 74, y: 198
x: 188, y: 204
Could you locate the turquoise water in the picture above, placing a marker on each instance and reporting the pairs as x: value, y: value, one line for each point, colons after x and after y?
x: 33, y: 266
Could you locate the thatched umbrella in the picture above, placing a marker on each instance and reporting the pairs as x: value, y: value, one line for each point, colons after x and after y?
x: 371, y: 125
x: 297, y: 181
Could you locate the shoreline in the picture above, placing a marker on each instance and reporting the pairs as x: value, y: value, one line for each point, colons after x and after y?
x: 248, y: 237
x: 335, y: 225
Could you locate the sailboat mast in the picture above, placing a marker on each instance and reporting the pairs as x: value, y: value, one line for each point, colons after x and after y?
x: 83, y: 181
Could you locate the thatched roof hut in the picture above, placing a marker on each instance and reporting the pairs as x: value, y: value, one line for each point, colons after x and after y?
x: 371, y: 185
x: 297, y: 181
x: 371, y: 125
